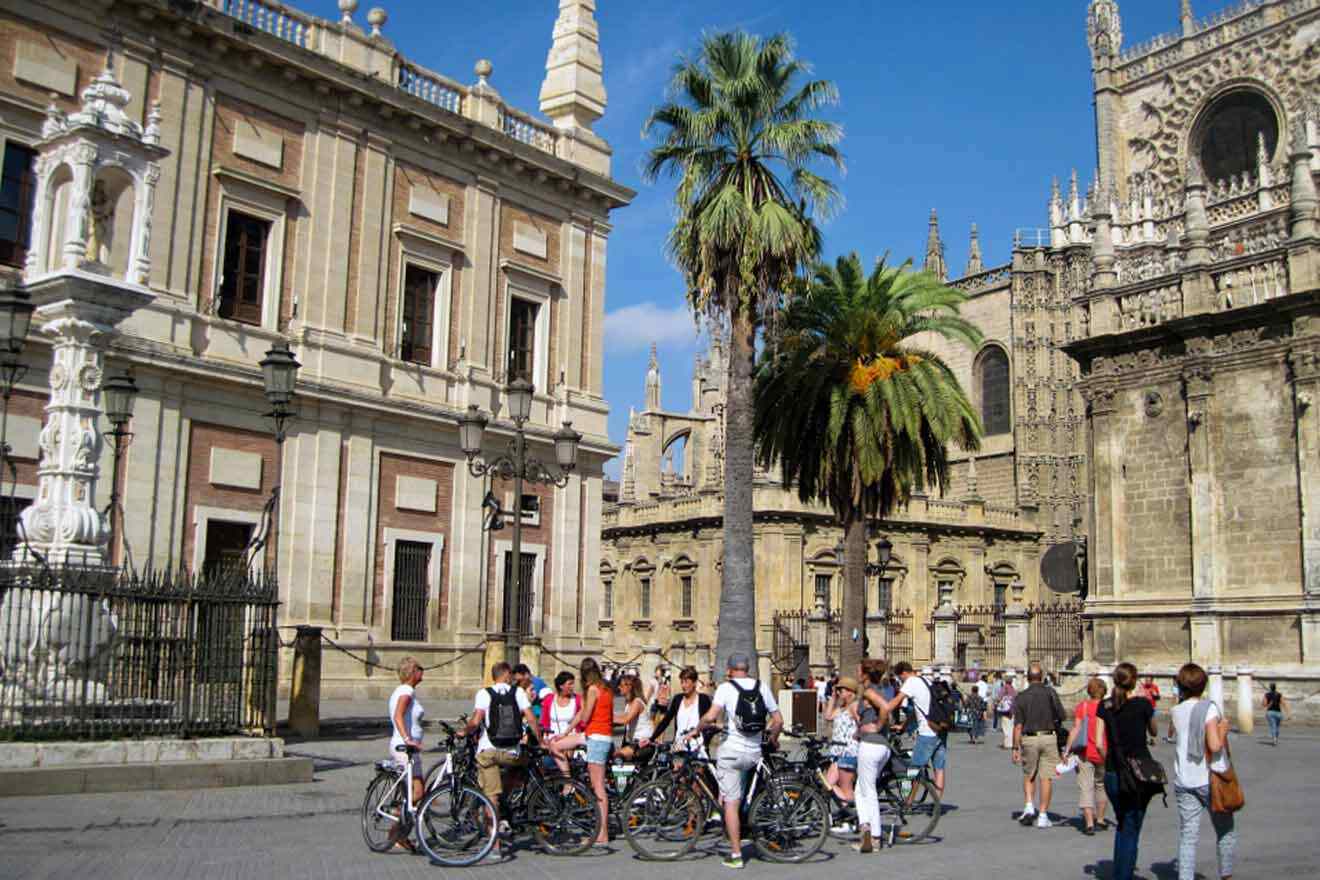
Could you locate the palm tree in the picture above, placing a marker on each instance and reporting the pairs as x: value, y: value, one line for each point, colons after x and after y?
x: 740, y: 137
x: 855, y: 411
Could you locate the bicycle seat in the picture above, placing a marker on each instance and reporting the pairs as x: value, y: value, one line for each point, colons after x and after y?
x: 387, y: 766
x: 404, y: 747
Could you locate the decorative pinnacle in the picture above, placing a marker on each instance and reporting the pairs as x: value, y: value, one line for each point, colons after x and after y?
x: 483, y: 69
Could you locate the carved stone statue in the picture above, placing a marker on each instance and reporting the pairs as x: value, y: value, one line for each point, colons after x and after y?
x: 101, y: 222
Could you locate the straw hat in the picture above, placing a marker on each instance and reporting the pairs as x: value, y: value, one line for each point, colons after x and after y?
x: 848, y: 682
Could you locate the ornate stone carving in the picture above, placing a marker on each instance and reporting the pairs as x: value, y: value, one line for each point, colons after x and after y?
x: 1198, y: 381
x: 1153, y: 404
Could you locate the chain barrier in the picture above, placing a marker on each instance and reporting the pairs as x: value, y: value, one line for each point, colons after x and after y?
x: 365, y: 661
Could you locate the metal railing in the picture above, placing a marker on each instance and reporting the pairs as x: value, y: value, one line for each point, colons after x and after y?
x: 981, y: 635
x: 97, y: 653
x: 789, y: 651
x: 1055, y: 638
x: 896, y: 637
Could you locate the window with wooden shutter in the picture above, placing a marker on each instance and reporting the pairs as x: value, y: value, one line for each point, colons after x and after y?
x: 17, y: 190
x: 243, y: 281
x: 419, y: 288
x: 522, y: 339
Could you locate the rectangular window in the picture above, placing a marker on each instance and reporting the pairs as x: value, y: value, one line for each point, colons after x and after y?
x: 243, y: 278
x: 823, y: 589
x: 18, y: 186
x: 885, y: 597
x: 226, y: 546
x: 10, y: 510
x: 522, y: 601
x: 686, y: 599
x: 412, y: 566
x: 1001, y: 595
x: 522, y: 339
x: 531, y: 510
x: 608, y: 599
x: 419, y: 288
x: 646, y: 599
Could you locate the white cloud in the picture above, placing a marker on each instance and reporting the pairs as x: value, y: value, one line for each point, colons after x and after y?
x: 633, y: 328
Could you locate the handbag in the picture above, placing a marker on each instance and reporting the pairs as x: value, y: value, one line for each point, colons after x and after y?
x: 1225, y: 791
x: 1140, y: 779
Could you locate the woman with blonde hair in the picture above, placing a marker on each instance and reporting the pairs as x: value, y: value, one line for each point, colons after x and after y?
x: 406, y: 715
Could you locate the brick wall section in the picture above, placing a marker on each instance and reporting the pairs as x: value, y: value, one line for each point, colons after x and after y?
x: 1255, y: 478
x: 89, y: 57
x: 202, y: 437
x: 355, y: 241
x: 341, y: 536
x: 509, y: 215
x: 996, y: 482
x: 389, y: 516
x: 230, y: 113
x: 540, y: 534
x: 1152, y: 468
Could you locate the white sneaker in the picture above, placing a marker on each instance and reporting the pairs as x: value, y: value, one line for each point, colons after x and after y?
x: 1043, y: 821
x: 1028, y: 813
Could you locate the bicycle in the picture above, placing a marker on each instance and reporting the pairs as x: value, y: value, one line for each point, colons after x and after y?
x: 560, y: 811
x: 455, y: 823
x: 787, y: 819
x: 624, y: 777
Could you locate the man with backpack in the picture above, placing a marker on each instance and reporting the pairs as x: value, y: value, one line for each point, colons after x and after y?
x: 501, y: 712
x: 935, y: 714
x: 751, y: 711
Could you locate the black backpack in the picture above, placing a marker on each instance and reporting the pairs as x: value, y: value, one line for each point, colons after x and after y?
x: 750, y: 713
x: 504, y: 723
x: 943, y: 708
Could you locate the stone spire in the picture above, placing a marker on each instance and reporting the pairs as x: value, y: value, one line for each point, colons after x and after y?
x: 573, y: 93
x: 975, y: 264
x: 1188, y: 19
x: 1104, y: 31
x: 935, y: 264
x: 653, y: 383
x: 1102, y: 252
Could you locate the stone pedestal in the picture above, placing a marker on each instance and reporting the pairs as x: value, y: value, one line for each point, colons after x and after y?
x: 945, y: 620
x: 1017, y: 622
x: 531, y: 654
x: 763, y: 667
x: 1216, y: 674
x: 1246, y: 709
x: 876, y: 635
x: 818, y: 626
x: 494, y: 654
x: 305, y: 686
x: 650, y: 663
x: 1311, y: 638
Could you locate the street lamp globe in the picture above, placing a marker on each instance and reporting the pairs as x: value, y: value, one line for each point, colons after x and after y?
x: 279, y: 370
x: 520, y: 393
x: 566, y: 446
x: 884, y: 551
x: 15, y: 320
x: 471, y: 430
x: 119, y: 394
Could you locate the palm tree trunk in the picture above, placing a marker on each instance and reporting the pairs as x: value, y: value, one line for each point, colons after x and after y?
x: 854, y: 596
x: 737, y: 623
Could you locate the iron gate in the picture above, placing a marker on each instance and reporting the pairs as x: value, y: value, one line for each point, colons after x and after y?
x: 412, y: 566
x: 1056, y: 634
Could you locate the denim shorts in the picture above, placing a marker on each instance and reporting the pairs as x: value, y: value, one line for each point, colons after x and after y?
x: 598, y: 750
x: 929, y: 750
x: 847, y: 762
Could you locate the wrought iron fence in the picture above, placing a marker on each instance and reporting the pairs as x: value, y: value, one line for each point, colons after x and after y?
x: 980, y: 635
x: 896, y: 637
x: 790, y: 651
x: 1055, y: 639
x: 88, y: 653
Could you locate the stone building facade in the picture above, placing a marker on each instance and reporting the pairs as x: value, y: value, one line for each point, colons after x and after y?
x: 419, y: 242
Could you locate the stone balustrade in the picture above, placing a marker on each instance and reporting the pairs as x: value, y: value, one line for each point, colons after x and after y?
x: 372, y: 54
x: 993, y: 277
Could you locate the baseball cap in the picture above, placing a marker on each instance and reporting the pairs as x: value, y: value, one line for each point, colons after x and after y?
x: 739, y: 661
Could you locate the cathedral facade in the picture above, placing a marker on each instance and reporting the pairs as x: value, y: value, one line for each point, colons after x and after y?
x: 1147, y: 385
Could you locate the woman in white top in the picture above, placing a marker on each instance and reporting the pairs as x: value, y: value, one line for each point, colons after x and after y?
x: 558, y: 711
x: 843, y: 738
x: 636, y: 721
x: 406, y: 715
x: 1201, y: 741
x: 684, y: 712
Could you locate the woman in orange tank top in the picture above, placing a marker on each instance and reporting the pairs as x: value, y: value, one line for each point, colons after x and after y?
x: 597, y: 718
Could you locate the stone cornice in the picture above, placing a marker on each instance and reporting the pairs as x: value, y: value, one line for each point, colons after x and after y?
x: 692, y: 525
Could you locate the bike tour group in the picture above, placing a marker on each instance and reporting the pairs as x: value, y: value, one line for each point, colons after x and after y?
x: 539, y: 761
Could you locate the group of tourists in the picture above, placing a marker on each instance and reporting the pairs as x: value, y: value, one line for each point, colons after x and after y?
x: 1107, y: 746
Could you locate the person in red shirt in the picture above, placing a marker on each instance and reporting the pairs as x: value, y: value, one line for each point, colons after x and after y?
x: 1151, y: 691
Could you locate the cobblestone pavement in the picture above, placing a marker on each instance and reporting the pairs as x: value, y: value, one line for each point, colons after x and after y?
x: 313, y: 830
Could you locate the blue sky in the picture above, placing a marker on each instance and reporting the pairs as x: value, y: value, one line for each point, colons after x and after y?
x: 965, y: 106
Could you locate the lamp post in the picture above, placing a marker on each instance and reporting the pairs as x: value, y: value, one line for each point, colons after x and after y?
x: 884, y: 551
x: 15, y: 320
x: 516, y: 466
x: 118, y: 394
x: 279, y: 372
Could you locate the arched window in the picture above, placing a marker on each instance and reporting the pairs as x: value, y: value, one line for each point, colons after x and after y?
x: 993, y: 389
x: 1229, y: 133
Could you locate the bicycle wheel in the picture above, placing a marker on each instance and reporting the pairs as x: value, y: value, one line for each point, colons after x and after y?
x: 564, y: 817
x: 663, y: 820
x: 456, y: 829
x: 919, y: 820
x: 381, y: 809
x: 789, y: 820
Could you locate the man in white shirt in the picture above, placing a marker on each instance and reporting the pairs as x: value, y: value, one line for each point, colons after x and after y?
x: 751, y: 710
x: 930, y: 748
x: 493, y: 758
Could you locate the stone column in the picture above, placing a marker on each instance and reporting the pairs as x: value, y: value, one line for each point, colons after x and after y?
x: 763, y: 667
x: 79, y: 315
x: 1216, y: 673
x: 650, y: 662
x: 80, y: 206
x: 530, y: 653
x: 1017, y: 626
x: 1246, y: 709
x: 139, y: 270
x: 1305, y: 368
x: 1198, y: 387
x: 818, y: 625
x: 945, y: 619
x: 494, y: 653
x: 1107, y: 492
x: 305, y: 684
x: 1304, y: 199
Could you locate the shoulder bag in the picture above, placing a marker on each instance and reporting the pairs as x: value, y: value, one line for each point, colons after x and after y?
x: 1140, y: 779
x: 1225, y: 791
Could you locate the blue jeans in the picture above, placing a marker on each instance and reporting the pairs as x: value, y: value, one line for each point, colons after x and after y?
x: 1275, y: 718
x: 1128, y: 835
x: 978, y: 726
x: 930, y: 750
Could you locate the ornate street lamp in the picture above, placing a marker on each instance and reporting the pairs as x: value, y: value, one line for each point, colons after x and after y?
x: 118, y: 394
x: 16, y: 310
x: 516, y: 466
x: 279, y: 373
